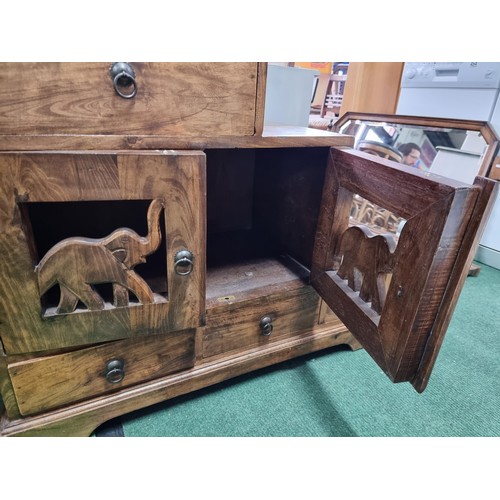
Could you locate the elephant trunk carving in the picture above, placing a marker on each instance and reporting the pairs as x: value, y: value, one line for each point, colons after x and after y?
x: 78, y: 263
x: 135, y: 253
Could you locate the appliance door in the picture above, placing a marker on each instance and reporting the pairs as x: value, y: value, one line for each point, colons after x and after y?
x: 456, y: 103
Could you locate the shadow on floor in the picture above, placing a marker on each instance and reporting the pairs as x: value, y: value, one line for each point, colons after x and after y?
x: 331, y: 421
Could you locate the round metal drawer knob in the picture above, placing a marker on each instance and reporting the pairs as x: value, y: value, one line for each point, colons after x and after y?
x: 114, y: 372
x: 266, y: 326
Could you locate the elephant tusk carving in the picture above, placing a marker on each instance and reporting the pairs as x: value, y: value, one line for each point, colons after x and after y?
x: 366, y: 260
x: 75, y: 264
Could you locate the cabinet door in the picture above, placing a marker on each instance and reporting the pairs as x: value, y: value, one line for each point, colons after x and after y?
x: 99, y: 246
x: 392, y: 251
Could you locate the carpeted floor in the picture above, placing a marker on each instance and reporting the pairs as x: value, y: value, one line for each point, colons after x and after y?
x: 344, y: 393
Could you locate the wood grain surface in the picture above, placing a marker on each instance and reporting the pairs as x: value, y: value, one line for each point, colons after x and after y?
x: 81, y: 419
x: 176, y: 99
x: 81, y: 374
x: 273, y: 137
x: 177, y: 178
x: 235, y: 325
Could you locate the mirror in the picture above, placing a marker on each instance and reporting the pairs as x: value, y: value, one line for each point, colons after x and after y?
x: 457, y: 149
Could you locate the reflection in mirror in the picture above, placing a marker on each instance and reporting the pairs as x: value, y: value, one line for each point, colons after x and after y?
x: 380, y: 149
x: 458, y: 149
x: 434, y: 145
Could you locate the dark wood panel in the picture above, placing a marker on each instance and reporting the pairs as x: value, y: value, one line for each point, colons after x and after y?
x: 422, y: 266
x: 288, y: 186
x: 466, y: 254
x: 230, y: 186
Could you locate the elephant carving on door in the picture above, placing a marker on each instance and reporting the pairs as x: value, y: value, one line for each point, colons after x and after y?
x: 366, y: 260
x: 76, y: 264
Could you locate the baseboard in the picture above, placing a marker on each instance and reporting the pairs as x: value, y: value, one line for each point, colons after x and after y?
x: 488, y: 256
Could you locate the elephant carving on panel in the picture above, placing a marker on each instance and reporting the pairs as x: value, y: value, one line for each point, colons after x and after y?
x: 366, y: 261
x: 77, y: 263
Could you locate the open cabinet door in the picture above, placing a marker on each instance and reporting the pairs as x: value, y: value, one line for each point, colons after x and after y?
x: 396, y: 291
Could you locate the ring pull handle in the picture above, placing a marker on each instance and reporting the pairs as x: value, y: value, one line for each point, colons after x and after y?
x: 266, y: 326
x: 123, y: 77
x: 115, y: 371
x: 183, y: 262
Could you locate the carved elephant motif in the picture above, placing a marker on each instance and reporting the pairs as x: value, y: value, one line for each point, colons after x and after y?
x: 366, y: 260
x: 78, y: 263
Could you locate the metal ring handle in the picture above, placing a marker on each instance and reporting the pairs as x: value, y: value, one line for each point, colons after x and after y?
x: 183, y: 259
x: 114, y: 371
x: 127, y: 79
x: 266, y: 326
x: 123, y: 75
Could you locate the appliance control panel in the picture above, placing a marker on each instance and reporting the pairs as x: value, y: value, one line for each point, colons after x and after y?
x: 485, y: 75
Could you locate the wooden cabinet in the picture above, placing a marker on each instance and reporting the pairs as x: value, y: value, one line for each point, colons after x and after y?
x: 149, y: 255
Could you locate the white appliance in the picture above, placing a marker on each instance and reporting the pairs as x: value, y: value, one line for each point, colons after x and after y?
x: 467, y: 91
x: 289, y: 92
x: 461, y: 90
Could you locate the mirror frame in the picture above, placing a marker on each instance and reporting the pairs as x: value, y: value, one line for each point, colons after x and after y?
x: 495, y: 169
x: 421, y: 121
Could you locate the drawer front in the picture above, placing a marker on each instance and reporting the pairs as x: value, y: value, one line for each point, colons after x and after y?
x: 243, y: 325
x: 97, y: 247
x: 174, y: 99
x: 45, y: 383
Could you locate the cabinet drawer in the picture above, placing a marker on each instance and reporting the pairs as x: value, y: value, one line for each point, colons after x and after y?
x: 172, y: 99
x: 49, y: 382
x: 242, y: 325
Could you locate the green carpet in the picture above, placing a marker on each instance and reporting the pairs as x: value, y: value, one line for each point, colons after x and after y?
x: 344, y: 393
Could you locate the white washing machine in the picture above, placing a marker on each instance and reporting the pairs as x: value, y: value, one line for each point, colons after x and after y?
x: 460, y: 90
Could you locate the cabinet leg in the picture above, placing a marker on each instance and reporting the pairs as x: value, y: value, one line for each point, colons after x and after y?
x: 354, y: 344
x: 111, y: 428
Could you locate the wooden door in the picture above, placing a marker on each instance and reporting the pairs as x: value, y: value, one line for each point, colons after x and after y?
x: 396, y: 291
x: 99, y: 246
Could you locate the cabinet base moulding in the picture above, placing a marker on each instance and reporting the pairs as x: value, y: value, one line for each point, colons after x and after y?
x: 82, y: 419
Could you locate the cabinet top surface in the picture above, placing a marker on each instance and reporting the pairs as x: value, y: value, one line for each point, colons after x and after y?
x: 272, y: 137
x: 49, y: 106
